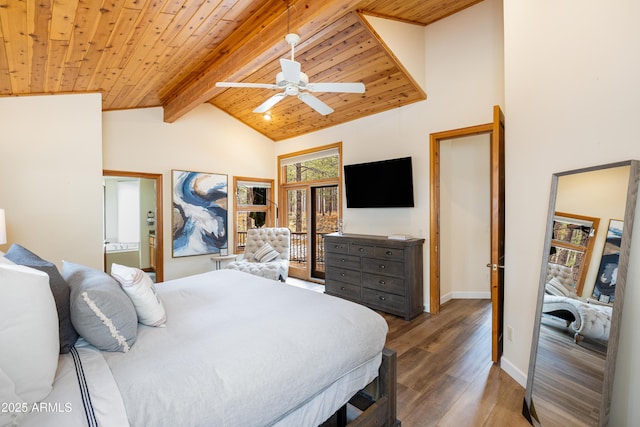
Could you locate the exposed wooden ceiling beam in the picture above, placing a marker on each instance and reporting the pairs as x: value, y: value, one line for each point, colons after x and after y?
x: 235, y: 59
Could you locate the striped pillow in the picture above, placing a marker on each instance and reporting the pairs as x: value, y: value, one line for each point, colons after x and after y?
x: 266, y: 253
x: 101, y: 311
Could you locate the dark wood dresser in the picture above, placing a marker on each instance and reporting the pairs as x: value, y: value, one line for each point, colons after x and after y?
x: 381, y: 273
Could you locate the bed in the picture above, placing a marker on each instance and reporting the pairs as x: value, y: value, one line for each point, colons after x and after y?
x: 234, y: 350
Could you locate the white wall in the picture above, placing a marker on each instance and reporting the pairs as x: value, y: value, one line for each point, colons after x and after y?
x: 205, y: 140
x: 463, y: 83
x: 51, y: 174
x: 395, y: 35
x: 571, y: 97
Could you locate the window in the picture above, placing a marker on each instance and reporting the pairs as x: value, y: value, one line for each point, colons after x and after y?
x: 572, y: 244
x: 254, y: 207
x: 312, y: 166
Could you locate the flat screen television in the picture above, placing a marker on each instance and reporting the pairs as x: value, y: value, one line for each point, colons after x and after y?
x: 383, y: 184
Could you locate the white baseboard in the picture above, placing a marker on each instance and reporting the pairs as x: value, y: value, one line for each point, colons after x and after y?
x: 446, y: 297
x: 464, y: 295
x: 515, y: 373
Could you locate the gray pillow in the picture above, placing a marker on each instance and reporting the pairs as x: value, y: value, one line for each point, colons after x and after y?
x: 100, y: 310
x: 59, y: 289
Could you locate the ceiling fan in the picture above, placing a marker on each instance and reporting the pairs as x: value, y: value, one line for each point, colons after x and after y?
x: 293, y: 82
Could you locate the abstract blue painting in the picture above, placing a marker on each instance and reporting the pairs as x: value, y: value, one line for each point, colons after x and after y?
x: 199, y: 213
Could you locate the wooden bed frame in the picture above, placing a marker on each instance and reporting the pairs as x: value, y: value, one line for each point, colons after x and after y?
x: 377, y: 411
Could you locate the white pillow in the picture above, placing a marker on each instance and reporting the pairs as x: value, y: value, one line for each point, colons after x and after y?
x: 266, y: 253
x: 139, y: 287
x: 28, y: 331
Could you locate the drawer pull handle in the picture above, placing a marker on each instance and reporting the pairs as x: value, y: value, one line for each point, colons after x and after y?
x: 337, y: 246
x: 342, y: 260
x: 381, y: 266
x: 342, y: 288
x: 361, y: 249
x: 382, y: 282
x: 389, y: 253
x: 382, y: 299
x: 342, y: 274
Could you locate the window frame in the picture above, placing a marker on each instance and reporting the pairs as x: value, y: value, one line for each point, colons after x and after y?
x: 270, y: 208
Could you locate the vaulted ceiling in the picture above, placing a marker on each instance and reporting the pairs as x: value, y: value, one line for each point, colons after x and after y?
x: 170, y: 53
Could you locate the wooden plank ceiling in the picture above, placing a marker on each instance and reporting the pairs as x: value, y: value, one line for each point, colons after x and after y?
x: 170, y: 53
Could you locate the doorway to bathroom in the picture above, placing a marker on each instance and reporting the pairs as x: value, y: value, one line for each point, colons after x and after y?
x: 133, y: 221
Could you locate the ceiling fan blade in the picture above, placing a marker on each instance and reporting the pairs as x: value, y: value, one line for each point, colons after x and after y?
x: 290, y: 70
x: 247, y: 85
x: 315, y: 103
x: 336, y: 87
x: 270, y: 102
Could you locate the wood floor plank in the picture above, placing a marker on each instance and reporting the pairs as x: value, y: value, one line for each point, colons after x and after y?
x: 445, y: 374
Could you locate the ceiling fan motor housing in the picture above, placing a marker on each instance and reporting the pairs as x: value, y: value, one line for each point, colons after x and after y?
x: 292, y: 88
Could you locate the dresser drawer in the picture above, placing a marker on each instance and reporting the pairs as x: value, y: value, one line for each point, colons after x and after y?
x: 336, y: 248
x: 389, y: 253
x: 343, y: 261
x: 394, y: 285
x: 383, y: 266
x: 361, y: 250
x: 341, y: 289
x: 343, y: 275
x: 384, y: 300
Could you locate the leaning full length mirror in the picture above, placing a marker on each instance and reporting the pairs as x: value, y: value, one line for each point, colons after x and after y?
x: 584, y: 266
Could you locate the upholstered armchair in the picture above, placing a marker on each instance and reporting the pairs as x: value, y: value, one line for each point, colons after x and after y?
x: 266, y: 253
x: 559, y: 281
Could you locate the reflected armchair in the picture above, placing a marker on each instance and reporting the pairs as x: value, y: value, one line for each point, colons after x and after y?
x: 266, y: 253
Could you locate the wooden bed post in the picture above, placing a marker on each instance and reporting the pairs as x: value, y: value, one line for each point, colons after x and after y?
x: 383, y: 412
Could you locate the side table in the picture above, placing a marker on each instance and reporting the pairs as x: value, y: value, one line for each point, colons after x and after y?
x: 219, y: 258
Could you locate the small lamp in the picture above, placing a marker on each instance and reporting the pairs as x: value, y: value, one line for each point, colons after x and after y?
x: 3, y: 228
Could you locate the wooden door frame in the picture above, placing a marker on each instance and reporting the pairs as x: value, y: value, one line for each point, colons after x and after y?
x: 495, y: 131
x: 434, y: 205
x: 283, y: 187
x: 159, y: 217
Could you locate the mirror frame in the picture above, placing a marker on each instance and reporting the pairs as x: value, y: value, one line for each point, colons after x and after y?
x: 614, y: 334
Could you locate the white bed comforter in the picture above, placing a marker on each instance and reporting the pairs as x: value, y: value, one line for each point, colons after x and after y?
x: 239, y: 350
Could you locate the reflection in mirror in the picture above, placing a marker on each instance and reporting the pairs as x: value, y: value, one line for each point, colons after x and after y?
x: 580, y: 299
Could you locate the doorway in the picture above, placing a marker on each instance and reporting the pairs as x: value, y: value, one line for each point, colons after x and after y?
x: 495, y: 131
x: 134, y: 200
x: 309, y: 191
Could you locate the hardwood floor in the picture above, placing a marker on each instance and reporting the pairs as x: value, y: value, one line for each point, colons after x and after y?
x: 445, y: 373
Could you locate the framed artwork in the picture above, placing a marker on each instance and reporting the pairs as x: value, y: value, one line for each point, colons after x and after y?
x: 605, y: 287
x: 199, y: 225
